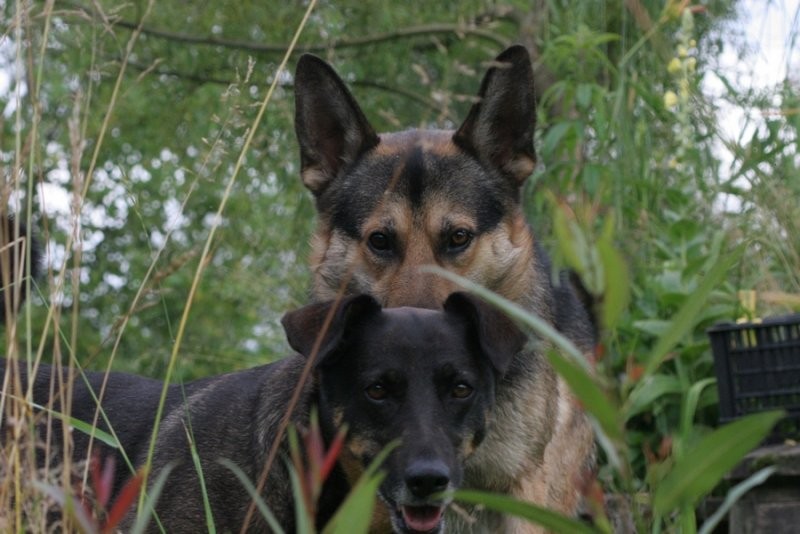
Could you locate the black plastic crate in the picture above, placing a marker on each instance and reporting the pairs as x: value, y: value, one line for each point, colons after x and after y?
x: 758, y: 369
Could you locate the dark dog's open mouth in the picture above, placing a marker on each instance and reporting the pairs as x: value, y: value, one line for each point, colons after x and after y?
x: 422, y: 519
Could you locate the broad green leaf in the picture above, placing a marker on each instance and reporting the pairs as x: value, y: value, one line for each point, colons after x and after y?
x: 690, y: 404
x: 648, y: 390
x: 594, y: 400
x: 685, y: 319
x: 701, y: 467
x: 355, y: 514
x: 549, y: 519
x: 616, y: 294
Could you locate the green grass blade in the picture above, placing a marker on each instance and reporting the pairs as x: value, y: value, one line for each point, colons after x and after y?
x: 198, y: 467
x: 82, y: 426
x: 553, y: 521
x: 266, y: 513
x: 734, y: 494
x: 516, y: 312
x: 303, y: 523
x: 701, y: 467
x: 148, y: 507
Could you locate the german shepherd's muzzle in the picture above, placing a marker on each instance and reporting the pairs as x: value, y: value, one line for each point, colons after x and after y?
x: 391, y: 204
x: 421, y: 377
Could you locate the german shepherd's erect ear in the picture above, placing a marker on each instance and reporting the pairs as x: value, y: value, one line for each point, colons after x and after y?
x: 305, y: 327
x: 499, y: 338
x: 331, y: 129
x: 499, y: 127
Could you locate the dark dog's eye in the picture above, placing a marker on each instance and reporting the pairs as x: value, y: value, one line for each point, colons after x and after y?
x: 376, y: 392
x: 459, y: 239
x: 379, y: 242
x: 461, y: 390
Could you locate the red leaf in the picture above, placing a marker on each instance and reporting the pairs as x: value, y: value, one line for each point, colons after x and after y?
x: 102, y: 481
x: 332, y: 455
x: 124, y: 502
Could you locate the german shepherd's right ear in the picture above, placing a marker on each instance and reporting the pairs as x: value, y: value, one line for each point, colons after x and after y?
x: 331, y: 129
x: 318, y: 329
x: 499, y: 127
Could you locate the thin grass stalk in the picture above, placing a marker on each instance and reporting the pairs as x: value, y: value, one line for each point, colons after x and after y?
x: 204, y: 257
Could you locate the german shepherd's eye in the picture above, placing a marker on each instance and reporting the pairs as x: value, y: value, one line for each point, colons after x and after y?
x: 459, y: 240
x: 379, y: 242
x: 376, y: 392
x: 461, y: 391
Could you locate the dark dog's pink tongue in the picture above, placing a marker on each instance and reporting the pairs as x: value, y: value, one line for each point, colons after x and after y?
x: 422, y: 518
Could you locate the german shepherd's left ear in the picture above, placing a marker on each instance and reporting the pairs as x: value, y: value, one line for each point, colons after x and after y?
x: 331, y: 128
x: 499, y: 338
x: 318, y: 329
x: 499, y: 127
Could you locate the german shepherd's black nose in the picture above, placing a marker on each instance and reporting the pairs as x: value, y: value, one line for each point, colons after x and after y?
x: 426, y: 477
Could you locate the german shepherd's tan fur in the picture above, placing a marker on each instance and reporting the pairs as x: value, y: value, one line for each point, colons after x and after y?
x: 392, y: 203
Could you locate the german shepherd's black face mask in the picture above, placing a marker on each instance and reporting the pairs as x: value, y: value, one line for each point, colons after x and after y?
x: 421, y: 378
x: 391, y: 203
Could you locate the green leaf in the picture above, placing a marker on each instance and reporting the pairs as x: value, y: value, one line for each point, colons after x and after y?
x: 355, y: 514
x: 303, y: 523
x: 616, y: 294
x: 266, y: 513
x: 153, y: 493
x: 690, y: 404
x: 685, y: 319
x: 198, y: 466
x: 594, y: 400
x: 734, y: 494
x: 82, y: 426
x: 648, y: 390
x: 583, y: 95
x: 538, y: 325
x: 549, y: 519
x: 701, y: 467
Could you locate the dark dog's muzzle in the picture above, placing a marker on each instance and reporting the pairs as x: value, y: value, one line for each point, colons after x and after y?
x: 420, y: 508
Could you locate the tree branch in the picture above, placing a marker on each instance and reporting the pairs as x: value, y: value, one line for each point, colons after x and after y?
x: 459, y: 30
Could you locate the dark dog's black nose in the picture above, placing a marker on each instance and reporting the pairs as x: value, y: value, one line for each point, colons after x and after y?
x: 424, y: 478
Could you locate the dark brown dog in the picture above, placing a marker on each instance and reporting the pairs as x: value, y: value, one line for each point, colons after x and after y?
x: 426, y: 378
x: 392, y: 203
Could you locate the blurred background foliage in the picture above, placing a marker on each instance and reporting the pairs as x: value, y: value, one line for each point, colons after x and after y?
x: 632, y: 150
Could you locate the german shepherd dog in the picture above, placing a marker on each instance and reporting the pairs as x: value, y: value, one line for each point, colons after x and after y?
x: 424, y: 377
x: 393, y: 203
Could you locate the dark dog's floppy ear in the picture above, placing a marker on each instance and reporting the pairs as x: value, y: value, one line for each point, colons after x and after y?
x: 305, y: 326
x: 499, y: 127
x: 331, y: 128
x: 498, y: 336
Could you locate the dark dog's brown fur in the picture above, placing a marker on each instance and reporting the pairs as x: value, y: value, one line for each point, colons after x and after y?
x: 426, y: 378
x: 392, y: 203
